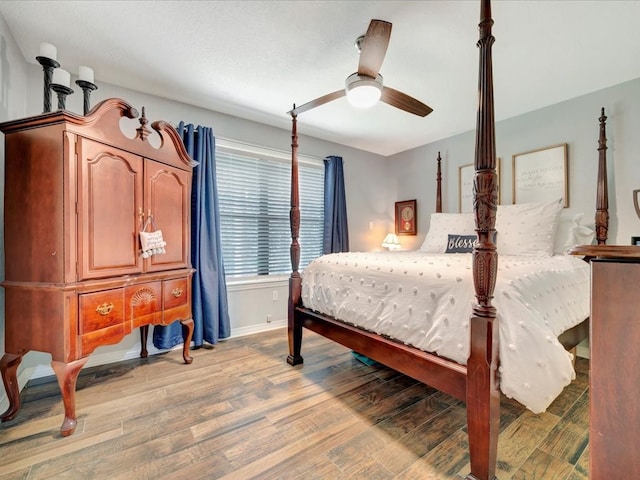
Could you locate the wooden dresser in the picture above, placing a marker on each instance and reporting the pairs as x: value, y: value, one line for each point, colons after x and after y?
x: 614, y: 382
x: 77, y: 194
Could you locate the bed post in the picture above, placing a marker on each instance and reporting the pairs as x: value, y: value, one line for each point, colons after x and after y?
x: 602, y: 199
x: 294, y: 329
x: 439, y: 186
x: 483, y: 396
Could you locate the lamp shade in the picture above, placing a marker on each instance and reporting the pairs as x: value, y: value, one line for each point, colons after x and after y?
x: 391, y: 242
x: 363, y: 91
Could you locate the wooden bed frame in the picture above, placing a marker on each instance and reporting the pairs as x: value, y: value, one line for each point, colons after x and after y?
x: 477, y: 383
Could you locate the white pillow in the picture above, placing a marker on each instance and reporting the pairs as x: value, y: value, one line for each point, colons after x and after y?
x: 443, y: 224
x: 528, y: 228
x: 568, y: 224
x: 584, y: 235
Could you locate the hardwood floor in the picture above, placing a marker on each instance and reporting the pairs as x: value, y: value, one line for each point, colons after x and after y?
x: 241, y: 412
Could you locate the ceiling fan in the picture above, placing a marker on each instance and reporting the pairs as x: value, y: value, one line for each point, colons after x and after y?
x: 364, y: 88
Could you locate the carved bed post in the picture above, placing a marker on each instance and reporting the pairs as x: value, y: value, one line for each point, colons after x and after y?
x: 483, y: 396
x: 439, y: 186
x: 294, y: 329
x: 602, y: 199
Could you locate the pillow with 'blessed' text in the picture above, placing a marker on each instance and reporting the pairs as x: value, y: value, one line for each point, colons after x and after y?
x: 460, y: 243
x: 441, y: 225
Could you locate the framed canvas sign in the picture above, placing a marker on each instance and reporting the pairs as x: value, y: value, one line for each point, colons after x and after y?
x: 465, y: 186
x: 541, y: 175
x: 406, y: 217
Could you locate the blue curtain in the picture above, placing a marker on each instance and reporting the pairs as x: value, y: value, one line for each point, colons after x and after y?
x: 336, y: 232
x: 209, y: 288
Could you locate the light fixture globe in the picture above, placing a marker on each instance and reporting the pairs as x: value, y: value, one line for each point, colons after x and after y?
x: 363, y: 91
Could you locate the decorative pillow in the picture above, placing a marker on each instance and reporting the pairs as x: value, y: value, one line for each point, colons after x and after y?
x: 584, y: 235
x: 566, y: 235
x: 443, y: 224
x: 528, y: 228
x: 460, y: 243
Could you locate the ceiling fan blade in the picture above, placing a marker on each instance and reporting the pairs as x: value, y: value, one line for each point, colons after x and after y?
x: 374, y: 47
x: 317, y: 102
x: 404, y: 102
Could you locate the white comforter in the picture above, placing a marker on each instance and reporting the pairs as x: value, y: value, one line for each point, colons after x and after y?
x: 425, y: 300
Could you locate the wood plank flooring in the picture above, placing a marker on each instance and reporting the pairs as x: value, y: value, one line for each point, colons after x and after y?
x: 241, y: 412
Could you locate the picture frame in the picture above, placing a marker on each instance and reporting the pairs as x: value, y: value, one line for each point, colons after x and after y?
x: 406, y: 217
x: 541, y: 175
x: 465, y: 186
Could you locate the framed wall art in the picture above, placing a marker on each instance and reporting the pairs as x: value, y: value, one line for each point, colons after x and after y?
x: 541, y: 175
x: 406, y: 217
x: 465, y: 186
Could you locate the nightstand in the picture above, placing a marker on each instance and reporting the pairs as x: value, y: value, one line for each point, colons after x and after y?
x: 614, y: 382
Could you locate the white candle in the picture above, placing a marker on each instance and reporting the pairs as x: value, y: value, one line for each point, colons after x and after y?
x: 85, y: 73
x: 61, y: 77
x: 49, y: 51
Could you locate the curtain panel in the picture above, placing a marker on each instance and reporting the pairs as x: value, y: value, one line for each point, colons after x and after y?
x: 336, y: 231
x: 209, y: 288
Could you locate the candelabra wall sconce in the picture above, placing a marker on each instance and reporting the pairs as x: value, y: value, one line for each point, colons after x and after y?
x: 59, y: 80
x: 48, y: 60
x: 85, y: 82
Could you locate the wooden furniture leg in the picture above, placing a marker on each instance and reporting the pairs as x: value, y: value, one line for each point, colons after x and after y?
x: 188, y: 324
x: 294, y: 329
x: 67, y: 375
x: 9, y: 367
x: 483, y: 399
x: 144, y: 334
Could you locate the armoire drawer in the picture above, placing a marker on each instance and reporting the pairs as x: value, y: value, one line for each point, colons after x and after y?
x: 175, y: 293
x: 101, y: 310
x: 101, y: 319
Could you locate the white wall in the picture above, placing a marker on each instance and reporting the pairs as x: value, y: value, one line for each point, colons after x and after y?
x: 13, y: 97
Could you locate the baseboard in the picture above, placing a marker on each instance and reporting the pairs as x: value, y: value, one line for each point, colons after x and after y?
x: 265, y: 327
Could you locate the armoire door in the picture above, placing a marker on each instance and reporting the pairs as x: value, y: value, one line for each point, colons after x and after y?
x: 166, y: 199
x: 110, y: 201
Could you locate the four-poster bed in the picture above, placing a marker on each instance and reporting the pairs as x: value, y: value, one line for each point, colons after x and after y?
x: 475, y: 378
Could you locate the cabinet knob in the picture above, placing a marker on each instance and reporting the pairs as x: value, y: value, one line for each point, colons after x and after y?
x: 176, y: 292
x: 104, y: 309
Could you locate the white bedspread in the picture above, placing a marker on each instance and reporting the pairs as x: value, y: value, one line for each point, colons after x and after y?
x: 425, y: 300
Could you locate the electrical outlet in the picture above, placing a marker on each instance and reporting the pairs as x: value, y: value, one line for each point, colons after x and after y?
x: 268, y: 318
x: 275, y: 296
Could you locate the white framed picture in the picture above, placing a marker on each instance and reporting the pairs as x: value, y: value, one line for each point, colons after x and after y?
x: 541, y: 175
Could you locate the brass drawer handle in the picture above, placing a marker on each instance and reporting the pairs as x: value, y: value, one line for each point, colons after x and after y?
x: 104, y: 309
x: 176, y: 292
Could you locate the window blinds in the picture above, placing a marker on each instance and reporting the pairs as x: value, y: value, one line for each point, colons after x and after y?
x: 254, y: 200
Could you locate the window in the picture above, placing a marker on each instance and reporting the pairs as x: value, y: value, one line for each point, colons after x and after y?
x: 254, y: 187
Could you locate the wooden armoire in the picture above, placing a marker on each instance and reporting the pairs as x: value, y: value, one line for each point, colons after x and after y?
x: 78, y: 191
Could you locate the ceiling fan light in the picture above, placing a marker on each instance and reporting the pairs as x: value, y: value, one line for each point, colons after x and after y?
x: 363, y: 91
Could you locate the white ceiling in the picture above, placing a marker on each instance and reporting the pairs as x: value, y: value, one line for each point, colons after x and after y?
x: 255, y: 59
